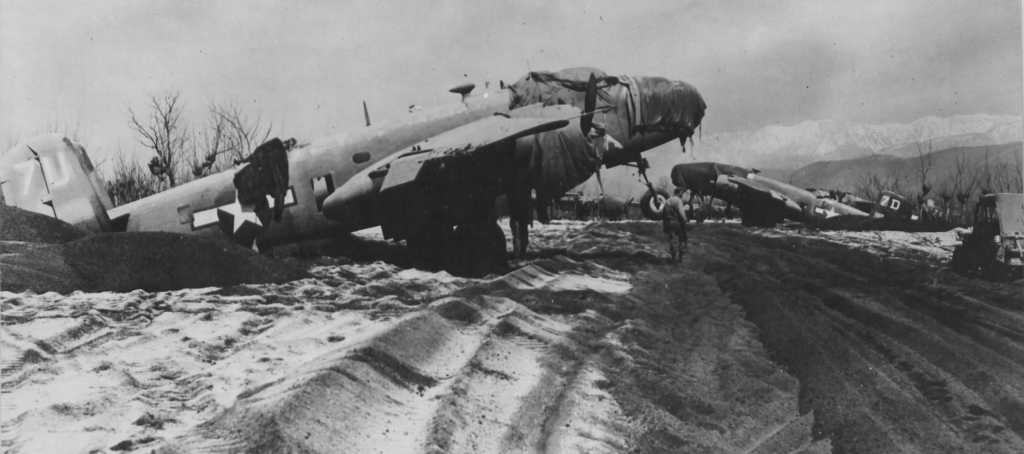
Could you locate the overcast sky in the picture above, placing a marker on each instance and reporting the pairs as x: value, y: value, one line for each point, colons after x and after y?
x: 309, y: 66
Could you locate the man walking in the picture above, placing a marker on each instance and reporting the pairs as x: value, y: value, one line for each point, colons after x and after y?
x: 673, y: 219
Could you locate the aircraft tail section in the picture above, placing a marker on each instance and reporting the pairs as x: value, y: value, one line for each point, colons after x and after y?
x: 52, y: 175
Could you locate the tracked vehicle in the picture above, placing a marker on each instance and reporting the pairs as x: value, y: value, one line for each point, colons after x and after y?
x: 993, y: 247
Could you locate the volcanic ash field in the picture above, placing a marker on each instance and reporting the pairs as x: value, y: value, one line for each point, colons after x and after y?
x: 761, y: 341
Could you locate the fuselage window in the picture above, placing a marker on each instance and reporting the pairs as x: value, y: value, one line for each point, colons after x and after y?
x: 289, y: 198
x: 361, y: 157
x: 322, y: 187
x: 185, y: 214
x: 205, y: 218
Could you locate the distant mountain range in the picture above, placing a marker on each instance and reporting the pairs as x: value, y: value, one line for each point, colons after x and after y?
x: 813, y: 141
x: 1003, y: 163
x: 781, y: 150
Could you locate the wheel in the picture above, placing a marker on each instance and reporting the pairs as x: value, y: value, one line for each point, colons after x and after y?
x: 475, y: 249
x: 430, y: 247
x: 648, y: 204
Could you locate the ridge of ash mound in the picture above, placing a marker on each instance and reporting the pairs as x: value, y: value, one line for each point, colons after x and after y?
x: 20, y: 225
x: 42, y: 254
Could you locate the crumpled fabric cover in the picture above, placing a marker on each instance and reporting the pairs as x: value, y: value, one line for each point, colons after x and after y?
x: 266, y: 174
x: 650, y: 103
x: 667, y: 105
x: 560, y: 160
x: 568, y: 86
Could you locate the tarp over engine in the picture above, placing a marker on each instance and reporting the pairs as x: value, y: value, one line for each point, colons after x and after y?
x: 647, y: 103
x: 556, y: 160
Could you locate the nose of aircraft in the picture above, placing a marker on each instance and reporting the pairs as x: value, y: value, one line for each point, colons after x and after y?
x: 351, y: 202
x: 663, y: 105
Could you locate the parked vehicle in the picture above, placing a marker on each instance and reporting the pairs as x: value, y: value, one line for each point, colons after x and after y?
x: 993, y: 247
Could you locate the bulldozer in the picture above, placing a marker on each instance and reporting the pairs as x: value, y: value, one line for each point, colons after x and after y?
x: 992, y: 249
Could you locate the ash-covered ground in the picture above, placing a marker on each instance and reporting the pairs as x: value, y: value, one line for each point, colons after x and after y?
x: 761, y: 341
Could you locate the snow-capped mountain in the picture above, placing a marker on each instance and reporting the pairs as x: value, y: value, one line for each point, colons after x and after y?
x: 811, y: 141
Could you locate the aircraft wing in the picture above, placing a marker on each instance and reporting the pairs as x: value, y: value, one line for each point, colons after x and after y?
x: 759, y: 196
x: 455, y: 176
x: 476, y: 137
x: 755, y: 188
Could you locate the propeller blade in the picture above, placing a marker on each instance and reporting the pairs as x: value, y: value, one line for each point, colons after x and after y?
x: 589, y: 104
x: 600, y: 183
x: 366, y: 113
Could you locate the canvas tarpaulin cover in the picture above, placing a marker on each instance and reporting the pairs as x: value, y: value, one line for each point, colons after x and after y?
x: 649, y: 103
x: 560, y: 160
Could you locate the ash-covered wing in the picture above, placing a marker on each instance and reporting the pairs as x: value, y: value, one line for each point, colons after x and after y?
x: 454, y: 177
x: 463, y: 143
x: 758, y: 197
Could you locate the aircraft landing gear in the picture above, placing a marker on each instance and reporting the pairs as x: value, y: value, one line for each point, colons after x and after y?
x: 520, y: 238
x: 467, y: 250
x: 476, y: 249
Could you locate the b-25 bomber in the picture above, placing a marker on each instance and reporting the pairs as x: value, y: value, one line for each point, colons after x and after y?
x: 430, y: 178
x: 763, y: 201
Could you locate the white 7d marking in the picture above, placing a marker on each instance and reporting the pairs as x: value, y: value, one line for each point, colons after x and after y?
x: 26, y: 168
x: 49, y: 171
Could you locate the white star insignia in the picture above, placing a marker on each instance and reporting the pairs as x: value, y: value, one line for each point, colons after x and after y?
x: 245, y: 225
x: 830, y: 212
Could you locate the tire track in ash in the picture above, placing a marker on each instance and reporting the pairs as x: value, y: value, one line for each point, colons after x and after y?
x: 888, y: 362
x: 472, y: 372
x: 678, y: 356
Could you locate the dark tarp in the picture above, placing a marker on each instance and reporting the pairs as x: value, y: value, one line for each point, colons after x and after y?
x: 556, y: 160
x: 650, y: 103
x: 266, y: 174
x: 564, y: 87
x: 560, y: 160
x: 666, y: 105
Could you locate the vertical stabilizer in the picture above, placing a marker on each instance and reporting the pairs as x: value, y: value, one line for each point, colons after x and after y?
x: 51, y: 175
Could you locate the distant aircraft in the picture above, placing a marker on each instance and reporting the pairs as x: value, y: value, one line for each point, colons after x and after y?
x: 763, y: 201
x: 430, y: 177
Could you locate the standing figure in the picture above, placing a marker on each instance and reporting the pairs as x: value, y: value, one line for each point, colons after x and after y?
x: 673, y: 219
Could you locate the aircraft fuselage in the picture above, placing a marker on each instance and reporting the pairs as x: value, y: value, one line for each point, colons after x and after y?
x: 315, y: 170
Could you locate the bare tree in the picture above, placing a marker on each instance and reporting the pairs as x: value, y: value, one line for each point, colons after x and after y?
x: 869, y: 186
x: 945, y: 192
x: 924, y: 167
x: 894, y: 181
x: 664, y: 184
x: 131, y: 182
x: 1018, y: 174
x: 964, y: 180
x: 994, y: 175
x: 242, y: 132
x: 228, y: 136
x: 164, y: 132
x: 71, y: 130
